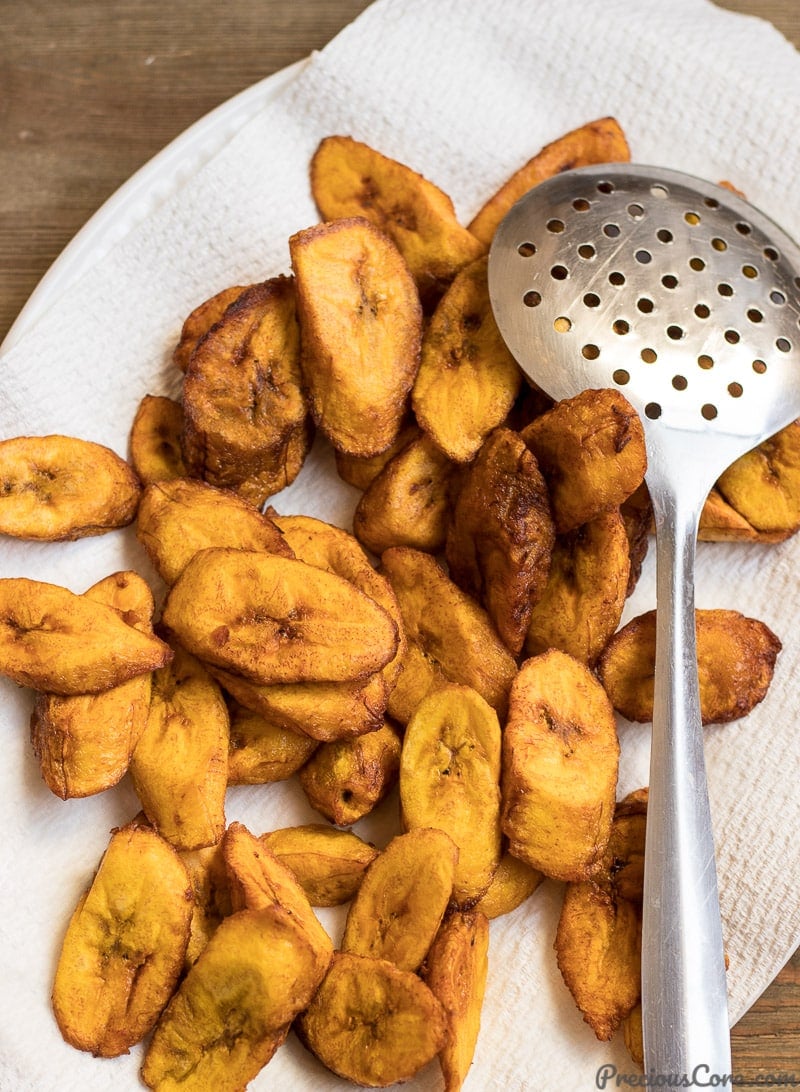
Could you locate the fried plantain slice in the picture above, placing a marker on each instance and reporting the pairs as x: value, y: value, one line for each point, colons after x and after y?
x: 124, y: 946
x: 601, y: 141
x: 598, y: 953
x: 245, y: 415
x: 258, y: 879
x: 57, y: 488
x: 327, y: 547
x: 201, y: 319
x: 361, y: 472
x: 155, y: 440
x: 513, y: 882
x: 632, y: 1034
x: 590, y: 449
x: 454, y: 634
x: 232, y: 1011
x: 261, y: 751
x: 372, y: 1022
x: 179, y: 518
x: 321, y: 711
x: 345, y: 779
x: 735, y: 662
x: 455, y: 970
x: 637, y: 515
x: 84, y: 742
x: 625, y: 852
x: 408, y: 502
x: 560, y: 758
x: 62, y: 643
x: 582, y: 602
x: 402, y: 898
x: 720, y: 522
x: 763, y: 486
x: 349, y: 178
x: 180, y: 765
x: 276, y: 620
x: 328, y: 864
x: 467, y: 380
x: 501, y: 535
x: 212, y: 900
x: 360, y: 319
x: 450, y: 779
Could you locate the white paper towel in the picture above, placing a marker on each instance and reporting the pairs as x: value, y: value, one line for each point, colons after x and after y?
x: 463, y: 92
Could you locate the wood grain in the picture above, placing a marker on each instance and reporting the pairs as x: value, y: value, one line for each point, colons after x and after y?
x: 90, y: 90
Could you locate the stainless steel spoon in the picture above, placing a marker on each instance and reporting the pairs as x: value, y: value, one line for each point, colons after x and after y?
x: 687, y: 299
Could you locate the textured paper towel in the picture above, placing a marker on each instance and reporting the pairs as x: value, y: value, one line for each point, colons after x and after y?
x: 464, y: 92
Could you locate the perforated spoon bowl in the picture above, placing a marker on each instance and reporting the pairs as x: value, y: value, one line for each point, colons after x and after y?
x: 686, y: 299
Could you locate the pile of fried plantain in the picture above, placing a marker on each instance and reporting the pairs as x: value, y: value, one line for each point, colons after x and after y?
x: 455, y: 661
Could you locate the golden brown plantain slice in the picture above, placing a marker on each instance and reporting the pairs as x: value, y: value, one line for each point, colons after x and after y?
x: 501, y: 534
x: 720, y: 522
x: 180, y: 765
x: 331, y: 548
x: 55, y: 488
x: 212, y: 900
x: 402, y: 899
x: 320, y: 711
x: 360, y: 319
x: 590, y: 449
x: 62, y: 643
x: 454, y: 634
x: 179, y: 518
x: 601, y: 141
x: 155, y: 440
x: 328, y: 864
x: 467, y: 379
x: 583, y: 599
x: 245, y: 416
x: 258, y: 879
x: 632, y: 1034
x: 345, y: 779
x: 261, y: 751
x: 349, y: 178
x: 598, y: 953
x: 200, y: 321
x: 560, y: 758
x: 763, y: 486
x: 373, y: 1023
x: 637, y: 515
x: 450, y: 779
x: 276, y: 620
x: 408, y: 502
x: 233, y: 1009
x: 361, y: 472
x: 735, y: 662
x: 124, y: 946
x: 512, y: 883
x: 625, y: 852
x: 84, y: 742
x: 456, y: 970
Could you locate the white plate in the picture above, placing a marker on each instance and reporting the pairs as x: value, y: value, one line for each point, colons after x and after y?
x: 465, y: 123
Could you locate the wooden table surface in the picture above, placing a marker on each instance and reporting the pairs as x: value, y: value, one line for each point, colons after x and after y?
x: 91, y: 89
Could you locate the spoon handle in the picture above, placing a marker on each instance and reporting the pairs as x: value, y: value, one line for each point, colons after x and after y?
x: 684, y: 998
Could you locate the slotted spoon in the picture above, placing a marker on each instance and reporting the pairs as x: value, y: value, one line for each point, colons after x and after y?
x: 686, y: 299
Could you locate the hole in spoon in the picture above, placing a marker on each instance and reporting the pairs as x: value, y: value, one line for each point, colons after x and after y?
x: 724, y: 289
x: 709, y: 411
x: 669, y: 280
x: 702, y: 310
x: 611, y: 231
x: 652, y: 410
x: 777, y: 297
x: 590, y: 352
x: 555, y: 226
x: 674, y: 332
x: 705, y: 361
x: 732, y: 337
x: 586, y: 251
x: 759, y: 367
x: 616, y: 278
x: 697, y: 264
x: 591, y: 299
x: 526, y: 250
x: 621, y: 377
x: 754, y: 314
x: 649, y: 356
x: 664, y: 236
x: 580, y: 204
x: 771, y: 253
x: 735, y: 390
x: 559, y: 273
x: 562, y: 325
x: 692, y: 217
x: 783, y: 344
x: 645, y: 305
x: 532, y: 299
x: 605, y: 186
x: 679, y: 382
x: 621, y: 326
x: 658, y: 191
